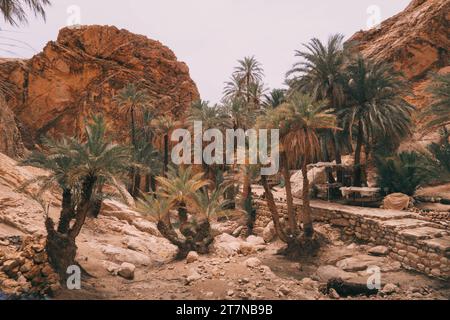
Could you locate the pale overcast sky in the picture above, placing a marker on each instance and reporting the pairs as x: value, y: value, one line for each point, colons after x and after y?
x: 210, y: 35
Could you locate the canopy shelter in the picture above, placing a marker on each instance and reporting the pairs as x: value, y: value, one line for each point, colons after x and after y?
x: 328, y: 189
x: 363, y: 196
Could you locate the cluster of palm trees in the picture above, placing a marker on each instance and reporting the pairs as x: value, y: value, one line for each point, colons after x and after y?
x: 336, y: 102
x: 334, y: 97
x: 188, y: 193
x: 438, y: 113
x: 366, y: 96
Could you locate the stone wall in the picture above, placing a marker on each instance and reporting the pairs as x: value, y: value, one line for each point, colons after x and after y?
x: 419, y: 245
x: 24, y: 268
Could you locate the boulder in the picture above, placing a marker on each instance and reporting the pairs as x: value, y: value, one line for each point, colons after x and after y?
x: 269, y: 232
x: 126, y: 270
x: 359, y: 263
x: 396, y: 201
x: 192, y: 257
x: 125, y: 255
x: 226, y: 245
x: 253, y: 263
x: 379, y: 251
x: 247, y: 249
x: 256, y: 241
x: 111, y: 267
x: 326, y: 273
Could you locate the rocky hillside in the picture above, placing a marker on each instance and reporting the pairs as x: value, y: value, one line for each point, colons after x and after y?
x: 416, y: 41
x: 80, y: 73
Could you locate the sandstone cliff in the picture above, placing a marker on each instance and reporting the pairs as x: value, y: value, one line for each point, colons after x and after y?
x: 416, y: 41
x: 80, y: 73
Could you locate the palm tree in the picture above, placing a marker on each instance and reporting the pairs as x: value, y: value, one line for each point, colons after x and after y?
x: 211, y: 117
x: 132, y: 100
x: 247, y: 74
x: 242, y: 96
x: 163, y: 126
x: 299, y: 121
x: 148, y: 159
x: 77, y: 168
x: 179, y: 189
x: 274, y: 99
x: 148, y: 162
x: 213, y: 204
x: 375, y: 105
x: 320, y: 74
x: 15, y: 11
x: 438, y: 113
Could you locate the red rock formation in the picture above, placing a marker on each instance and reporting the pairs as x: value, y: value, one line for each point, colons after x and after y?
x: 81, y: 72
x: 10, y: 138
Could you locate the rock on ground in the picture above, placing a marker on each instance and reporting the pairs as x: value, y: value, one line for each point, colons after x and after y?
x: 192, y: 257
x: 126, y: 270
x: 253, y: 263
x: 379, y: 251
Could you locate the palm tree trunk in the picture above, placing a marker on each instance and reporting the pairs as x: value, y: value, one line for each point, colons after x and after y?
x: 358, y: 172
x: 338, y: 157
x: 166, y: 153
x: 326, y: 157
x: 147, y: 183
x: 61, y: 247
x: 136, y: 183
x: 83, y: 208
x: 67, y: 213
x: 95, y: 205
x: 153, y: 183
x: 273, y: 210
x: 247, y: 205
x: 133, y: 127
x: 308, y: 229
x: 289, y: 198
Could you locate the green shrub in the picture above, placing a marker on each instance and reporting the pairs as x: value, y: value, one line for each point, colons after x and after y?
x: 405, y: 172
x: 441, y: 151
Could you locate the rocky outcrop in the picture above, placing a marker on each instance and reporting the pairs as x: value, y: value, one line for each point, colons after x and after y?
x: 80, y: 73
x: 19, y: 210
x: 416, y: 40
x: 10, y: 137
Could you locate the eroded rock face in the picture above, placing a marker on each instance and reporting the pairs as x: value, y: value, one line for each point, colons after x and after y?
x: 10, y: 137
x: 81, y: 72
x: 415, y: 40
